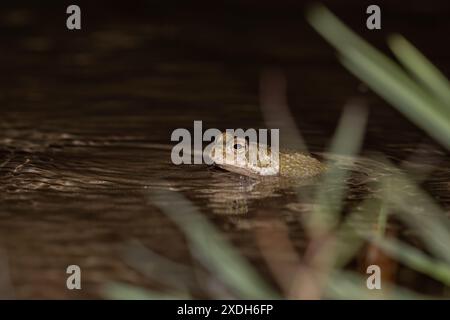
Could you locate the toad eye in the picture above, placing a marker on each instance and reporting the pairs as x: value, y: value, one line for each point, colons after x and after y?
x: 237, y: 146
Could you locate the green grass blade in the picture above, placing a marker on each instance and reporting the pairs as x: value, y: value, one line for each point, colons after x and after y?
x: 343, y: 38
x: 420, y: 212
x: 421, y: 68
x: 212, y: 249
x: 348, y: 236
x: 122, y: 291
x: 411, y: 103
x: 383, y: 75
x: 415, y: 259
x: 347, y: 141
x: 349, y: 285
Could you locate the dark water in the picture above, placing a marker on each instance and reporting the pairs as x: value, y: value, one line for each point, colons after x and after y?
x: 86, y: 119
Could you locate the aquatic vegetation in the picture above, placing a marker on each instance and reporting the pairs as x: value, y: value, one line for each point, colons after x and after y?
x: 335, y: 238
x: 425, y: 101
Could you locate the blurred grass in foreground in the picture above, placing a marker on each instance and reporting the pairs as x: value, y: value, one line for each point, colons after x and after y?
x: 338, y: 242
x: 335, y: 240
x: 426, y: 102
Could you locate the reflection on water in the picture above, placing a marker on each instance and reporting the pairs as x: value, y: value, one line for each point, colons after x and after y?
x: 85, y: 139
x: 79, y: 198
